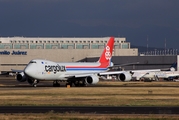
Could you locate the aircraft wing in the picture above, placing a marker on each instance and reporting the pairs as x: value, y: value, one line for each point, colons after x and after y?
x: 11, y: 73
x: 133, y: 63
x: 78, y: 75
x: 111, y: 73
x: 120, y: 65
x: 4, y: 73
x: 13, y: 70
x: 129, y: 71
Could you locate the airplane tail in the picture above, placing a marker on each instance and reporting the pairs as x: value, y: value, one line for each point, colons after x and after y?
x: 173, y: 67
x: 107, y: 52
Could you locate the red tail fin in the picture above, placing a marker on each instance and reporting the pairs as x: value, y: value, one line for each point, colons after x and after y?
x: 107, y: 52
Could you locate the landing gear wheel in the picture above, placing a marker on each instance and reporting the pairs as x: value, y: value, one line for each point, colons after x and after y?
x: 79, y: 84
x: 56, y: 84
x: 76, y: 83
x: 35, y: 83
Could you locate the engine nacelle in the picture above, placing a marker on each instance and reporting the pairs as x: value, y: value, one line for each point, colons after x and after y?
x: 21, y: 77
x: 93, y: 79
x: 124, y: 76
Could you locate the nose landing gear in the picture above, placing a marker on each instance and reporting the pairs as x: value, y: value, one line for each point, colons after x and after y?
x: 35, y: 83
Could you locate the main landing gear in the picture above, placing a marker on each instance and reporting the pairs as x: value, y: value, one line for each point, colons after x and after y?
x: 79, y: 83
x: 56, y: 83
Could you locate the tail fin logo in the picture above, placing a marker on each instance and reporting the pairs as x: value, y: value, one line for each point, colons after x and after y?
x: 107, y: 53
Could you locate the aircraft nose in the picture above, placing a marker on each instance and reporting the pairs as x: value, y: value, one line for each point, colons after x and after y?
x: 28, y: 71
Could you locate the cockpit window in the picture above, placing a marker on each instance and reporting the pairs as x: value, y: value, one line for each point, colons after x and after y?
x: 32, y: 62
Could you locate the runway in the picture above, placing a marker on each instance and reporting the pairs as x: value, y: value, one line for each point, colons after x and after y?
x: 94, y: 110
x: 9, y: 84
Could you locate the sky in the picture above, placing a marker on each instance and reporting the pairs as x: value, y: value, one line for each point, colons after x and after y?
x: 141, y: 22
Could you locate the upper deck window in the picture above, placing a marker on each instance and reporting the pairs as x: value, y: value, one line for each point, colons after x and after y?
x: 32, y: 61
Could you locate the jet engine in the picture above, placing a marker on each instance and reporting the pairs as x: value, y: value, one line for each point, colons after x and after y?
x: 124, y: 76
x: 21, y: 77
x: 93, y: 79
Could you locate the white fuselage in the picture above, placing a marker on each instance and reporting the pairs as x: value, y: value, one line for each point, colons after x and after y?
x: 140, y: 73
x: 162, y: 74
x: 48, y: 70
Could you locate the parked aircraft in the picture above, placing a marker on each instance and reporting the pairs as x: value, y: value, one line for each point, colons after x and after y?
x: 127, y: 75
x: 166, y: 75
x: 136, y: 74
x: 77, y: 73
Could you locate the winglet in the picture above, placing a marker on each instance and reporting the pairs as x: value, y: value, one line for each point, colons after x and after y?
x: 107, y: 52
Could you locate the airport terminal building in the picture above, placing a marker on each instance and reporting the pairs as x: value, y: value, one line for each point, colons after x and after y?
x: 16, y: 52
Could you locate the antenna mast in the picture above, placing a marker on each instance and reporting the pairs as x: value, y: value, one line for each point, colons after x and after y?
x: 165, y: 46
x: 147, y: 44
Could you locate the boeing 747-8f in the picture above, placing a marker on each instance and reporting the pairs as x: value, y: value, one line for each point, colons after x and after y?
x: 77, y: 73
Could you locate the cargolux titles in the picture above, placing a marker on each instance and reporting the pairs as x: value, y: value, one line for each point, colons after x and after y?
x: 54, y: 68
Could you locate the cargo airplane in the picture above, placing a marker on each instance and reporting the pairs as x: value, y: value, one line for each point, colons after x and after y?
x: 77, y: 73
